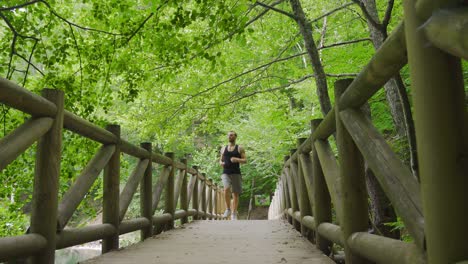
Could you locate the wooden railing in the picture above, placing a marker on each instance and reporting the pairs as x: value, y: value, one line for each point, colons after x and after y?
x: 433, y: 210
x: 50, y: 216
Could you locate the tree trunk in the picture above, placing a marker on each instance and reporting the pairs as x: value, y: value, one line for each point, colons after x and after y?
x: 395, y: 91
x: 391, y: 89
x: 320, y: 77
x: 380, y: 207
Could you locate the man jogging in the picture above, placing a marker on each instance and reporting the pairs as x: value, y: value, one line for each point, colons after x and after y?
x: 231, y: 157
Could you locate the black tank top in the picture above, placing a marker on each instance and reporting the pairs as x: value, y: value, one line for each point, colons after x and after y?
x: 230, y: 167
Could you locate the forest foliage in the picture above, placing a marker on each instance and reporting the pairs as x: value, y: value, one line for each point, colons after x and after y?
x: 179, y: 74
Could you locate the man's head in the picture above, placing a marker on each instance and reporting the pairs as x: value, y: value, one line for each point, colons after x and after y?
x: 232, y: 136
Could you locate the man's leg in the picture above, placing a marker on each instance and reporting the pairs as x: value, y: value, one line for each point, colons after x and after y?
x: 227, y: 194
x: 235, y: 201
x: 236, y: 190
x: 227, y: 197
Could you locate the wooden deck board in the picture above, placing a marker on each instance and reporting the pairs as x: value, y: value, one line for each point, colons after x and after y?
x: 258, y: 241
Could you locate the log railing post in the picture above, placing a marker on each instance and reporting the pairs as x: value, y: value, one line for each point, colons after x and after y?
x: 169, y: 198
x: 46, y: 181
x: 441, y: 123
x: 146, y: 201
x: 216, y: 201
x: 183, y: 194
x: 304, y: 203
x: 295, y: 195
x: 287, y: 190
x: 221, y: 202
x: 195, y: 194
x: 353, y: 186
x: 203, y: 195
x: 322, y: 199
x: 210, y: 197
x: 110, y: 210
x: 284, y: 204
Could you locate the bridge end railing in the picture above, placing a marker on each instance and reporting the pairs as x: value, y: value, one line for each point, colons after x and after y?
x: 324, y: 192
x: 183, y: 185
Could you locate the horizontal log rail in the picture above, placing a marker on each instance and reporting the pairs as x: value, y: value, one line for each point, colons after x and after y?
x: 161, y: 219
x: 385, y: 250
x: 192, y: 212
x: 19, y: 246
x: 136, y: 151
x: 87, y: 129
x: 21, y: 99
x: 76, y: 236
x: 134, y: 224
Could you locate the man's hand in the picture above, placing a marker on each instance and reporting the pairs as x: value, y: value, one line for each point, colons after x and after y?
x: 234, y: 159
x: 221, y: 163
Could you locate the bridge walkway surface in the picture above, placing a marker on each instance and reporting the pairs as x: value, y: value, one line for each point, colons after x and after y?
x: 254, y: 241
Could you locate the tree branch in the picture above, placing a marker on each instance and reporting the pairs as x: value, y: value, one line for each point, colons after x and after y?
x: 388, y: 15
x: 79, y: 55
x: 231, y: 34
x: 276, y: 10
x: 192, y: 96
x: 344, y: 43
x: 76, y: 25
x: 262, y: 13
x: 18, y: 6
x: 366, y: 14
x: 331, y: 12
x: 13, y: 46
x: 10, y: 62
x: 284, y: 86
x: 13, y: 28
x: 263, y: 66
x: 29, y: 63
x: 322, y: 33
x: 266, y: 67
x: 244, y: 73
x: 109, y: 63
x: 342, y: 75
x: 138, y: 29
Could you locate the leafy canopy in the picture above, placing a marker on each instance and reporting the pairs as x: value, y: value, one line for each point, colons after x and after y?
x: 177, y: 73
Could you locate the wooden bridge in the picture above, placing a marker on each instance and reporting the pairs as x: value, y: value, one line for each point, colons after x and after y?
x: 312, y: 186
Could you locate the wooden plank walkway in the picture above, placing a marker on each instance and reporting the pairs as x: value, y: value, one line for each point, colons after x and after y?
x: 255, y: 241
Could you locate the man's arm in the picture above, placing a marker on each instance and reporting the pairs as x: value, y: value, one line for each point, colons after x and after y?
x: 242, y: 159
x: 221, y: 162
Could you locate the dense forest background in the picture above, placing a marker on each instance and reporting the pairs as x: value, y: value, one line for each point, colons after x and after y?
x: 181, y: 74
